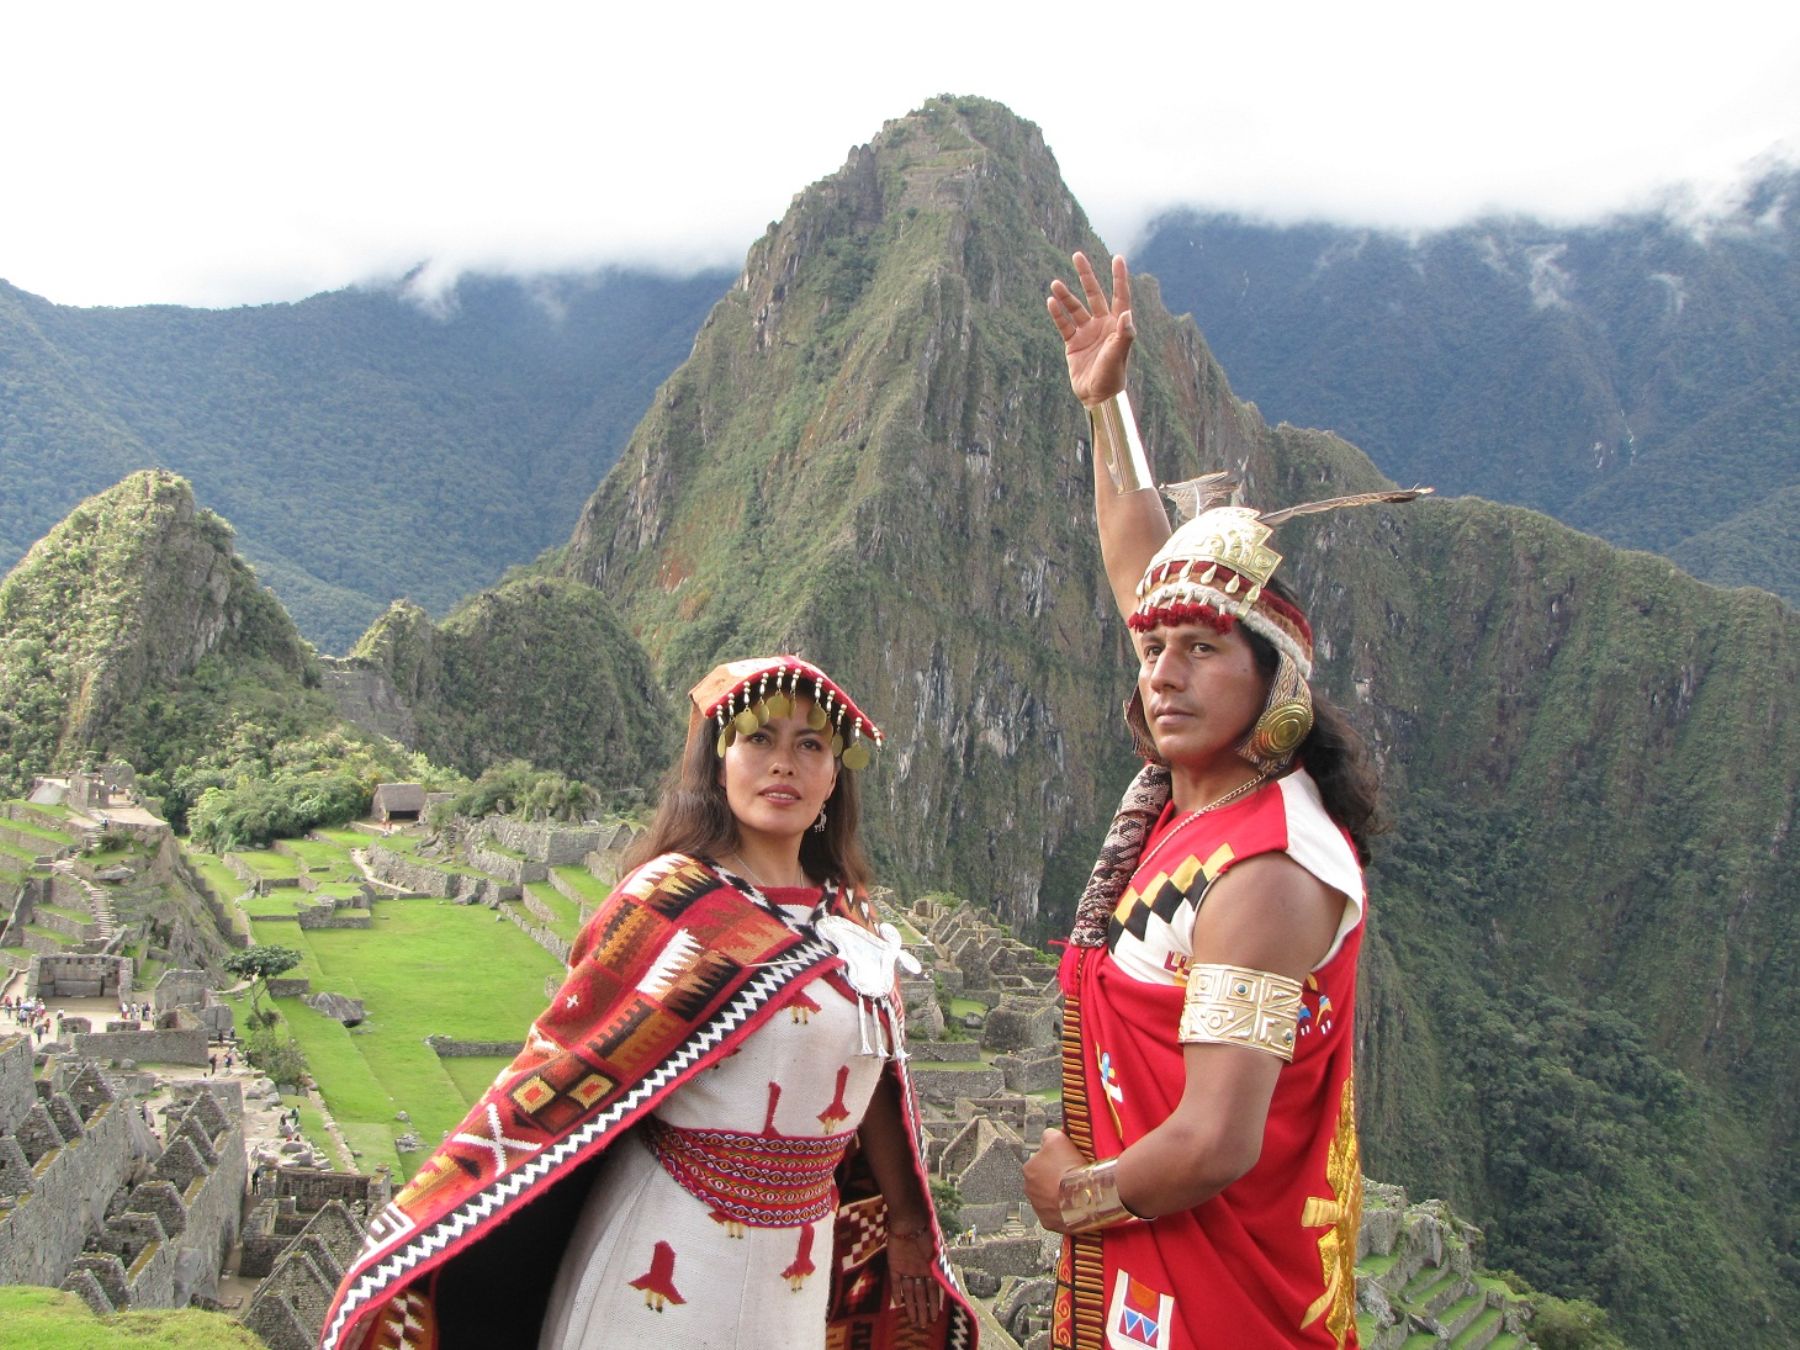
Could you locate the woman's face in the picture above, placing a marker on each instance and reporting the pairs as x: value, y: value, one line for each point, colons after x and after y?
x: 777, y: 778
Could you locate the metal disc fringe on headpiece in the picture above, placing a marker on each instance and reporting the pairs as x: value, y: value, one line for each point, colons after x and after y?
x: 1215, y: 569
x: 740, y: 696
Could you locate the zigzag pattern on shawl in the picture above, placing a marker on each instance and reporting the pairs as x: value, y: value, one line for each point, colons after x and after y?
x: 1138, y: 809
x: 478, y: 1208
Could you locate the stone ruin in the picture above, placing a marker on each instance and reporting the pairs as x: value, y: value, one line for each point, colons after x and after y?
x: 304, y: 1230
x: 92, y: 1202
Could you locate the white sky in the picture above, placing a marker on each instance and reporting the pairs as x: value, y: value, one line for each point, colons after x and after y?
x: 214, y: 154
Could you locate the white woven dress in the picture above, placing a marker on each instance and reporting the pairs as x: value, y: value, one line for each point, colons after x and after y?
x: 690, y: 1236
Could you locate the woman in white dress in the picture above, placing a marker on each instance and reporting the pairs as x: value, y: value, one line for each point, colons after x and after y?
x: 708, y: 1139
x: 763, y: 796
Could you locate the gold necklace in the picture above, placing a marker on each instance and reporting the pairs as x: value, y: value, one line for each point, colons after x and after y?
x: 802, y: 884
x: 1241, y: 790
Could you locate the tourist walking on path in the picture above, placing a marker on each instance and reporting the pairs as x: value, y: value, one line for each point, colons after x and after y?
x: 709, y: 1138
x: 1207, y: 1171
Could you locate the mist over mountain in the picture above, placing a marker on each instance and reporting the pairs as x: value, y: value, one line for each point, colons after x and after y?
x: 365, y: 446
x: 1638, y: 378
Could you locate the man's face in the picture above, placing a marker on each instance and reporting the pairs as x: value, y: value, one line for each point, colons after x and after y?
x: 1201, y: 690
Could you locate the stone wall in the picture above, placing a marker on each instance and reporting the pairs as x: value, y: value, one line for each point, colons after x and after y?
x: 70, y: 976
x: 15, y: 1080
x: 185, y: 1045
x: 447, y: 1048
x: 552, y: 845
x: 422, y: 879
x: 504, y: 865
x: 559, y: 947
x: 56, y: 1179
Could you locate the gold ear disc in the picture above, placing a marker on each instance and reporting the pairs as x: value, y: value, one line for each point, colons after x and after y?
x: 856, y: 756
x: 1281, y: 729
x: 726, y: 737
x: 837, y: 744
x: 779, y: 704
x: 761, y: 709
x: 745, y: 722
x: 815, y: 718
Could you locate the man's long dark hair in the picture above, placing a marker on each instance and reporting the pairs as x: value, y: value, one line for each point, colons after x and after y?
x: 694, y: 817
x: 1334, y: 753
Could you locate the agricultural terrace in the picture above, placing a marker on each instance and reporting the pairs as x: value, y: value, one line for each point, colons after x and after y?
x: 423, y: 967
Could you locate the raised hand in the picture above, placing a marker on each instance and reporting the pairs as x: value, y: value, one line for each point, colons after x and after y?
x: 1096, y: 336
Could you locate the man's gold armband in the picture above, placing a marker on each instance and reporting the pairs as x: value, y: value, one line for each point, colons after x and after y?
x: 1088, y: 1198
x: 1118, y: 445
x: 1232, y: 1005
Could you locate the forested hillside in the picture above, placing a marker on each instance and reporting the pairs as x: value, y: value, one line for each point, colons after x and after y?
x: 1636, y: 378
x: 366, y: 447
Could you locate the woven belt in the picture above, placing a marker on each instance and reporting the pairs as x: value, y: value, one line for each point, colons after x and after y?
x: 760, y: 1181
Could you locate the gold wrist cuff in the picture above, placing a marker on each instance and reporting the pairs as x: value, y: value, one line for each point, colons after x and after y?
x: 1233, y: 1005
x: 1088, y: 1198
x: 1116, y: 442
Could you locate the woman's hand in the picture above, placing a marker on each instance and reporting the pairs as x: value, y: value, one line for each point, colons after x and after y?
x: 1096, y: 336
x: 1044, y: 1174
x: 912, y: 1253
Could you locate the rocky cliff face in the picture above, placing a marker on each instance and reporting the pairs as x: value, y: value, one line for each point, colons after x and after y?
x: 121, y: 628
x: 871, y: 457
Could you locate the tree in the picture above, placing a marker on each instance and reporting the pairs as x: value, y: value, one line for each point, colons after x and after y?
x: 260, y: 964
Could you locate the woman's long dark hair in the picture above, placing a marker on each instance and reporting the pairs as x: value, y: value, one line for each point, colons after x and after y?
x: 694, y: 817
x: 1334, y: 753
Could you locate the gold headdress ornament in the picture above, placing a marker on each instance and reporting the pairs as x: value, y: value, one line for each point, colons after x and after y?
x: 1215, y: 568
x: 740, y: 696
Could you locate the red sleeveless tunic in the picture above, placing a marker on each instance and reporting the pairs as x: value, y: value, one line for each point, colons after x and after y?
x: 1269, y: 1261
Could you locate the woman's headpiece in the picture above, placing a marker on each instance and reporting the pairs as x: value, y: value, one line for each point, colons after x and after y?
x: 740, y: 696
x: 1215, y: 569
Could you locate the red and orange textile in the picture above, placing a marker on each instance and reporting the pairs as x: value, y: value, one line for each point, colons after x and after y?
x: 1269, y: 1261
x: 668, y: 978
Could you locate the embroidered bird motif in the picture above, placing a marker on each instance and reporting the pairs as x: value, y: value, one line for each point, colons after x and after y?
x: 837, y: 1113
x: 801, y: 1008
x: 658, y: 1283
x: 801, y: 1266
x: 768, y: 1130
x: 733, y: 1228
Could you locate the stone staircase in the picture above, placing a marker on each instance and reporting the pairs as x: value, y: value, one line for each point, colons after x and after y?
x: 99, y: 900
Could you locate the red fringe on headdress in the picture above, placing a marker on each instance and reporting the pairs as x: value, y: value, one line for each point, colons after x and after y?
x: 1145, y: 620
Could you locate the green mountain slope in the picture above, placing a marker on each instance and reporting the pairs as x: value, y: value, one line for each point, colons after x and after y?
x: 1636, y: 378
x: 133, y: 630
x: 539, y: 668
x: 365, y: 447
x: 871, y: 457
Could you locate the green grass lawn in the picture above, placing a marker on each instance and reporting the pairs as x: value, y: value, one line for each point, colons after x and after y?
x: 335, y: 890
x: 57, y: 837
x: 345, y: 838
x: 474, y: 1073
x: 223, y: 881
x: 48, y: 1319
x: 23, y: 855
x: 584, y: 883
x: 324, y: 859
x: 566, y: 920
x: 962, y: 1007
x: 287, y: 900
x: 422, y: 969
x: 268, y: 864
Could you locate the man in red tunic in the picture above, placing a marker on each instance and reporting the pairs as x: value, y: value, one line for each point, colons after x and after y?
x: 1207, y: 1175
